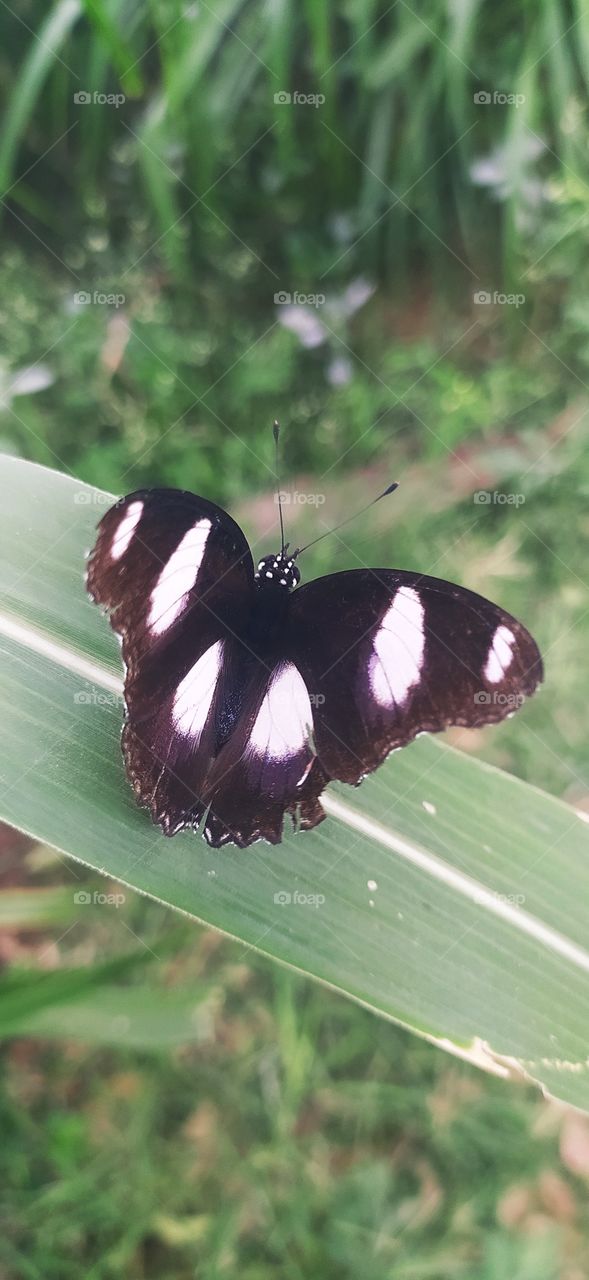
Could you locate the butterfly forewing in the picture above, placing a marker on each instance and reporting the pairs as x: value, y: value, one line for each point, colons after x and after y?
x: 164, y: 560
x: 403, y: 654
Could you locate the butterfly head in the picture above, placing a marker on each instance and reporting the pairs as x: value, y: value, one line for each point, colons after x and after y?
x: 278, y: 571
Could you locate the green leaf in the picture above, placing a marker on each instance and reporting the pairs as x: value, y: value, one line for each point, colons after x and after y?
x: 443, y: 894
x: 123, y: 57
x: 35, y: 908
x: 28, y: 994
x: 131, y: 1016
x: 40, y: 60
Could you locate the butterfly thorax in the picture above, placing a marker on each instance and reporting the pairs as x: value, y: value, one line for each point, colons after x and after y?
x: 275, y: 579
x: 277, y: 572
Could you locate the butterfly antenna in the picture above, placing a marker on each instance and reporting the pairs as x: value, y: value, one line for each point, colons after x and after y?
x: 276, y: 434
x: 391, y: 489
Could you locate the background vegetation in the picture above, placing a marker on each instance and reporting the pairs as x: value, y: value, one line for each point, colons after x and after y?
x: 299, y: 1136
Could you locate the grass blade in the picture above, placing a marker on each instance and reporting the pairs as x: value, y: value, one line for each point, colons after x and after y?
x: 443, y: 894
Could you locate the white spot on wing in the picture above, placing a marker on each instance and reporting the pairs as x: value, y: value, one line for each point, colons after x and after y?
x: 284, y: 721
x: 395, y: 665
x: 500, y: 656
x: 125, y: 530
x: 178, y: 577
x: 195, y: 692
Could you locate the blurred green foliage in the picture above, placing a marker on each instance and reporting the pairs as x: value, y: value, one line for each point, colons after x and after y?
x: 200, y: 149
x: 299, y: 1136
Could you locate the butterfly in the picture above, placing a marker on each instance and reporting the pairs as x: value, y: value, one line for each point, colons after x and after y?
x: 246, y: 693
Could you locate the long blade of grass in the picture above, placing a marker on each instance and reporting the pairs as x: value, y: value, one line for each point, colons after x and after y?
x: 443, y: 894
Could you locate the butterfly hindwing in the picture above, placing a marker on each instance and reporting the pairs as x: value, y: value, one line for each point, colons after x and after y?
x: 403, y: 654
x: 169, y: 740
x: 258, y: 774
x: 234, y: 741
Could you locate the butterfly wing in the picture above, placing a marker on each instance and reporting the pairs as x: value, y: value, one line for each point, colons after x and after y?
x: 365, y: 661
x: 166, y: 561
x: 370, y: 659
x: 401, y: 654
x: 176, y: 574
x: 259, y: 773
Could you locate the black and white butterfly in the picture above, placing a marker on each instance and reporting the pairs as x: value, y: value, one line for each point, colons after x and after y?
x: 246, y: 693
